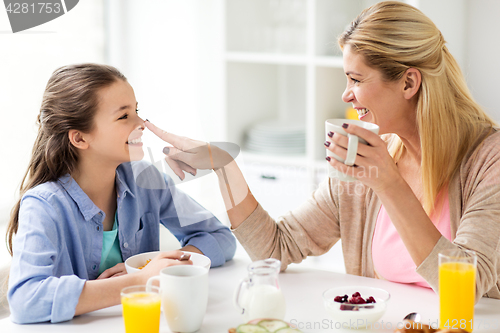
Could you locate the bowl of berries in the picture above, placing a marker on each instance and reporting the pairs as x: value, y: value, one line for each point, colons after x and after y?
x: 355, y: 306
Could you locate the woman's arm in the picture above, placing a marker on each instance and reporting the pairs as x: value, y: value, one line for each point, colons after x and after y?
x: 238, y: 199
x: 414, y: 226
x: 311, y: 229
x: 188, y: 155
x: 478, y: 191
x: 376, y: 169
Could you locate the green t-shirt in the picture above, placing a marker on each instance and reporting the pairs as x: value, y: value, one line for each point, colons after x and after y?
x: 111, y: 253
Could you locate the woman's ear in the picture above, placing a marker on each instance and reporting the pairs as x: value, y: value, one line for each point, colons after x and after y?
x: 412, y: 81
x: 77, y: 139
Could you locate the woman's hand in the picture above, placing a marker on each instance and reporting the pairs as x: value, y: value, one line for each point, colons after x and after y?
x: 188, y: 155
x: 374, y: 166
x: 117, y: 270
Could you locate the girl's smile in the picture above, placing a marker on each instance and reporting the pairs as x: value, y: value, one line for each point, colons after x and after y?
x: 116, y: 137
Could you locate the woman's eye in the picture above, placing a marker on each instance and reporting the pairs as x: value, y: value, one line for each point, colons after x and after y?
x: 354, y: 80
x: 125, y: 116
x: 137, y: 110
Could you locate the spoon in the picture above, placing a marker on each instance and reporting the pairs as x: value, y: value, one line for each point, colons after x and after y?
x: 413, y: 316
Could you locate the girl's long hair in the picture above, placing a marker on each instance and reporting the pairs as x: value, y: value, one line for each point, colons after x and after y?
x: 69, y: 102
x: 392, y: 37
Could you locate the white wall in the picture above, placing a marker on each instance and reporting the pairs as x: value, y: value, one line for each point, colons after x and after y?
x: 483, y: 50
x: 471, y: 30
x: 450, y: 16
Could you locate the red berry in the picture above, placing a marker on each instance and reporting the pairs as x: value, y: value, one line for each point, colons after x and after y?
x: 356, y: 294
x: 371, y: 300
x: 357, y: 300
x: 339, y: 299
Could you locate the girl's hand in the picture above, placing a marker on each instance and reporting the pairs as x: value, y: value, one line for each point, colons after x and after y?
x: 162, y: 260
x: 117, y: 270
x: 374, y: 166
x: 188, y: 155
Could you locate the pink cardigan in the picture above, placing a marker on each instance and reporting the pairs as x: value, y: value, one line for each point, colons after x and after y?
x: 348, y: 210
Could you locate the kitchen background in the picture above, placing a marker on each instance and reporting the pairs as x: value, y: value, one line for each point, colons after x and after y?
x: 264, y: 74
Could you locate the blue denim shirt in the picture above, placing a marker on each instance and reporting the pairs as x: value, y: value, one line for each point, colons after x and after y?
x: 59, y: 240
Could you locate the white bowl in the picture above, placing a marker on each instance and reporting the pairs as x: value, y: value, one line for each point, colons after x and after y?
x: 132, y: 263
x: 356, y: 315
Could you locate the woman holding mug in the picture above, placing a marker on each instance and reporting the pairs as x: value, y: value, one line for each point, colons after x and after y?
x: 437, y: 184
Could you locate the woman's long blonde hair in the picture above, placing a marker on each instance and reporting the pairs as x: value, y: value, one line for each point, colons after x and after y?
x: 393, y: 37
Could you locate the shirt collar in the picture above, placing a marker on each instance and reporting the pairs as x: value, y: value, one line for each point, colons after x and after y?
x: 86, y: 206
x: 121, y: 186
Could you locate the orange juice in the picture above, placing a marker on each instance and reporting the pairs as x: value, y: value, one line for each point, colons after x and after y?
x: 457, y: 291
x: 141, y: 312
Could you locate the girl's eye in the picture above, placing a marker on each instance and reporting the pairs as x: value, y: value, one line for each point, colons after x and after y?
x: 354, y: 80
x: 125, y: 116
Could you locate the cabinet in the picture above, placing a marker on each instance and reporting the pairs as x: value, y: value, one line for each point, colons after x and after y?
x: 282, y: 62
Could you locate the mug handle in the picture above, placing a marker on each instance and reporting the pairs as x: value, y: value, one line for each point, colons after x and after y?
x: 150, y: 282
x: 237, y: 294
x: 352, y: 149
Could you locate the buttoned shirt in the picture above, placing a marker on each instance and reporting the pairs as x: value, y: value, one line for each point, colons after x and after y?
x: 59, y: 240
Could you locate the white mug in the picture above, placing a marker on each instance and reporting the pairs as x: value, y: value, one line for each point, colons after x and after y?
x: 335, y: 125
x: 184, y: 296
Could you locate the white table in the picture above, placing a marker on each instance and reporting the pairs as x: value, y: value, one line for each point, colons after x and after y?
x: 302, y: 287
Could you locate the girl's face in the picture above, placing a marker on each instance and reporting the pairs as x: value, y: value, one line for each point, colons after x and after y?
x: 116, y: 137
x: 376, y: 100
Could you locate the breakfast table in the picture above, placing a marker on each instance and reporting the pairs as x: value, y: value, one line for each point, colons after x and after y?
x: 302, y: 288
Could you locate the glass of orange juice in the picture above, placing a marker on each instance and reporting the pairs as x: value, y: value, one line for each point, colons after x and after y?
x: 141, y: 309
x: 457, y: 289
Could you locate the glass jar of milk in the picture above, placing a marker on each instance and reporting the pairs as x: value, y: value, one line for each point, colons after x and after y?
x: 259, y: 295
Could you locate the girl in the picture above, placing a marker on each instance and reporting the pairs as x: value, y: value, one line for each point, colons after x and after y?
x: 84, y: 209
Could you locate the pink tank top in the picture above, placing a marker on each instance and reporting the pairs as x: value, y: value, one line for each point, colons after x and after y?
x: 391, y: 259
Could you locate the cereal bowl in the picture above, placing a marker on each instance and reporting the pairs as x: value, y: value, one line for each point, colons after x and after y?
x: 352, y: 312
x: 133, y: 263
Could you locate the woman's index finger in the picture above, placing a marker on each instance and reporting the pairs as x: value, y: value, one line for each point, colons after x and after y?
x: 164, y: 135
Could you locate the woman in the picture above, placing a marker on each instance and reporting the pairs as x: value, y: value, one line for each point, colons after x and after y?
x: 437, y: 184
x: 84, y: 209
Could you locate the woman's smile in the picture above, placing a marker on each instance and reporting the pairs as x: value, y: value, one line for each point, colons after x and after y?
x: 362, y: 112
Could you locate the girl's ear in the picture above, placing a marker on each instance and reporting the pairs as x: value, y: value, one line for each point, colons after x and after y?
x: 77, y: 139
x: 412, y: 81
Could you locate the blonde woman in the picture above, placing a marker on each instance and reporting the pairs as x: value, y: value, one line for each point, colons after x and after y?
x: 438, y: 162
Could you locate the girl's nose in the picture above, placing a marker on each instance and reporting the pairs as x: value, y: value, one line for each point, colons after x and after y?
x: 142, y: 125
